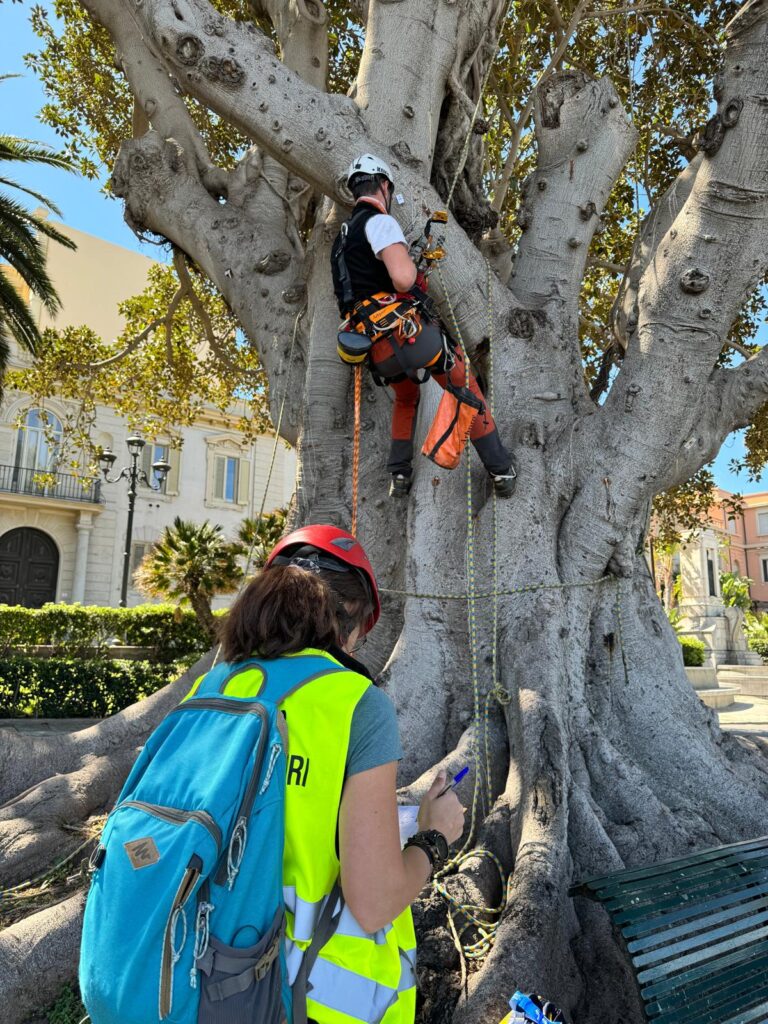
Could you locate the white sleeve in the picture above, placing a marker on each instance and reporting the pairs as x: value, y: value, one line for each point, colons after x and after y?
x: 383, y: 230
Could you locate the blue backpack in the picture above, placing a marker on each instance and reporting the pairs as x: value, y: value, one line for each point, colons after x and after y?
x: 184, y: 920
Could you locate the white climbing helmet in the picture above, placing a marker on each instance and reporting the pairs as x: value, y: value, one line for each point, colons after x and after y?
x: 369, y: 165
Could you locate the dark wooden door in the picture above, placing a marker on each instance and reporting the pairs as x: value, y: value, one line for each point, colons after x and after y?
x: 29, y: 567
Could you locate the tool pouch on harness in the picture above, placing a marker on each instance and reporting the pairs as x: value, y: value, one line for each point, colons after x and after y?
x: 402, y: 353
x: 352, y: 347
x: 449, y: 433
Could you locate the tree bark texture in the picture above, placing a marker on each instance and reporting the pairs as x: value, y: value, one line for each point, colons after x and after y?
x: 590, y: 750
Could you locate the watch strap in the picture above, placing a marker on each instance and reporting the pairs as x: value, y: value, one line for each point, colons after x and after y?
x: 428, y: 842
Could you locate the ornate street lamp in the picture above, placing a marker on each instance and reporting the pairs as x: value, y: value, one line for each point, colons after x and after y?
x: 133, y: 475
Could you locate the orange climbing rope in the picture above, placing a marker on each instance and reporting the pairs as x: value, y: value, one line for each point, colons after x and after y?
x: 356, y: 445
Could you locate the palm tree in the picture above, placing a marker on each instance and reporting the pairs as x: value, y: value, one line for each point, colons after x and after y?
x: 22, y: 249
x: 258, y: 537
x: 191, y: 562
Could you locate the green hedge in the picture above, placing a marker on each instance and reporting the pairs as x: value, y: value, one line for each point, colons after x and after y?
x: 81, y: 630
x: 759, y: 645
x: 76, y: 688
x: 694, y: 651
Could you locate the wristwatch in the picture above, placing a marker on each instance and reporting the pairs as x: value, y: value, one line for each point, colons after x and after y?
x: 434, y: 844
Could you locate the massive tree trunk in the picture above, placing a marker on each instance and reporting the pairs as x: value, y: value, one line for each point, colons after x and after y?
x: 590, y: 750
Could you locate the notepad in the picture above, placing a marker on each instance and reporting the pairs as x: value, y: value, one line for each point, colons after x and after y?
x: 407, y: 816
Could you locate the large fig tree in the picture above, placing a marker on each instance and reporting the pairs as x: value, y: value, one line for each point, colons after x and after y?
x: 590, y: 750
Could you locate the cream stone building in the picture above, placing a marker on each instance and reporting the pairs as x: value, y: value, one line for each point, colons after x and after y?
x: 61, y: 541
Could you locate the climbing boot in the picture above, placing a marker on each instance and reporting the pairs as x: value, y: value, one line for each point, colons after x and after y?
x: 504, y: 483
x: 399, y: 486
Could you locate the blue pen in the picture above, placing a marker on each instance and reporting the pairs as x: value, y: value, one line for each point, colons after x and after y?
x: 456, y: 780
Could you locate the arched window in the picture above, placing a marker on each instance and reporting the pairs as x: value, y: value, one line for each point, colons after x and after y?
x: 37, y: 444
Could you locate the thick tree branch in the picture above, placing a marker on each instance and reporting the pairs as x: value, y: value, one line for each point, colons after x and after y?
x: 699, y: 273
x: 563, y: 37
x: 164, y: 194
x: 740, y: 391
x: 398, y: 89
x: 156, y: 96
x: 624, y: 314
x: 584, y: 140
x: 302, y: 28
x: 231, y: 67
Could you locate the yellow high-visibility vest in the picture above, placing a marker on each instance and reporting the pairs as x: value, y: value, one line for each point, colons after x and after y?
x: 358, y: 976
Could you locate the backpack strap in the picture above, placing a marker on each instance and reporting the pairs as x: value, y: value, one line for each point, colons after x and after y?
x: 271, y: 690
x: 326, y: 926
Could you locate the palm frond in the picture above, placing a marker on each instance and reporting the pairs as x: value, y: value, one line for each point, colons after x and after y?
x: 17, y: 316
x: 10, y: 183
x: 31, y: 269
x: 21, y: 247
x: 11, y: 209
x: 28, y: 151
x: 5, y: 353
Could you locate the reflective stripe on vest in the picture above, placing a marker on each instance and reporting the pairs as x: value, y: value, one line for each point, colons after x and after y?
x: 378, y: 968
x: 354, y: 995
x: 305, y: 916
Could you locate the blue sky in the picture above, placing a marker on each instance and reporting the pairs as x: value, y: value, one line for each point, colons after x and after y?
x: 82, y: 203
x: 85, y: 207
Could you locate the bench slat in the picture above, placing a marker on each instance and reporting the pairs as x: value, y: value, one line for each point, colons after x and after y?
x: 696, y: 932
x: 633, y: 874
x: 736, y: 942
x: 665, y: 936
x: 648, y: 911
x: 671, y: 951
x: 653, y: 924
x: 698, y: 1001
x: 733, y: 864
x: 756, y: 1015
x: 680, y: 982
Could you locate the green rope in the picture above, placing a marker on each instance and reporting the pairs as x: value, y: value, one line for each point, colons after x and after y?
x: 495, y: 689
x: 484, y: 919
x: 528, y: 588
x: 620, y: 625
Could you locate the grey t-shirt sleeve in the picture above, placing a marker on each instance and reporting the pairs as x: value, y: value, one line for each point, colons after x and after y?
x: 374, y: 738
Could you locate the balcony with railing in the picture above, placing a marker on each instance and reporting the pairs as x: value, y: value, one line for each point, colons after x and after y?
x: 40, y: 484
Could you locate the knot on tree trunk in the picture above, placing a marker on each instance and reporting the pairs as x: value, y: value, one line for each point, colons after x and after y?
x: 144, y: 173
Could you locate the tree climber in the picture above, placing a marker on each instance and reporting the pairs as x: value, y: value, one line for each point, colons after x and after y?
x: 380, y: 289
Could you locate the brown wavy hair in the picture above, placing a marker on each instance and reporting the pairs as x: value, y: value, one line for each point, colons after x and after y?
x: 285, y: 609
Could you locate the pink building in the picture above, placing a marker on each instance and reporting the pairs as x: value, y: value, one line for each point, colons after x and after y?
x: 745, y: 541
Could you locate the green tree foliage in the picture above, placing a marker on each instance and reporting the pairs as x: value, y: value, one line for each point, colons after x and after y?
x: 735, y: 590
x: 684, y: 510
x: 192, y: 563
x: 258, y: 536
x: 22, y: 249
x: 661, y: 59
x: 180, y: 351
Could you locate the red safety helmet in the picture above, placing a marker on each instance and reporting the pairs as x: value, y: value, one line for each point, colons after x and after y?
x: 341, y: 546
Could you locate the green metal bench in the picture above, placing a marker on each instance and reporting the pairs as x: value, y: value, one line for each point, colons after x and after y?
x: 696, y: 932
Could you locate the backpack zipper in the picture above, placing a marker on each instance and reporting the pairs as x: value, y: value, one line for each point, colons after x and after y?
x: 178, y: 817
x: 230, y: 866
x: 230, y: 708
x: 170, y: 954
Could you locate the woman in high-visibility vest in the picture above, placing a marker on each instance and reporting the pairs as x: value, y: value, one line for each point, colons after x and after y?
x: 317, y: 599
